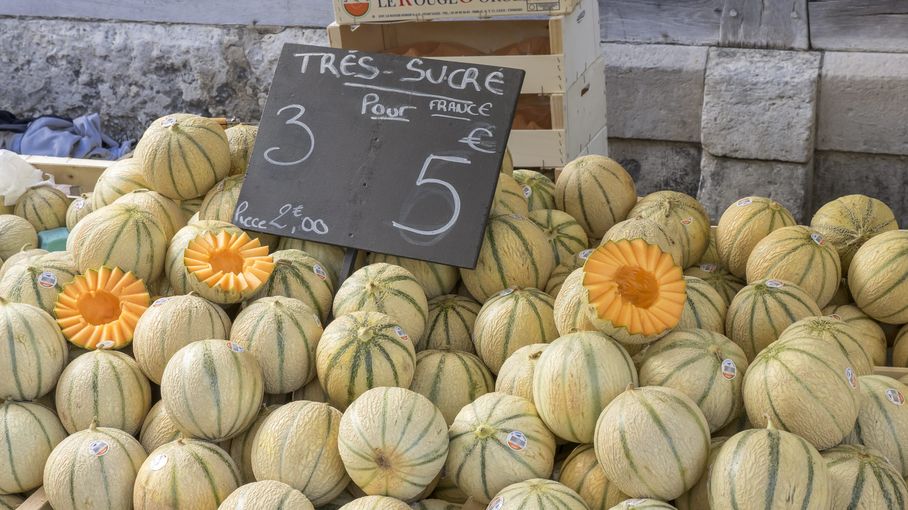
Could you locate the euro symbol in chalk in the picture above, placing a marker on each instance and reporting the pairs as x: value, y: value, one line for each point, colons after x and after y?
x: 475, y: 140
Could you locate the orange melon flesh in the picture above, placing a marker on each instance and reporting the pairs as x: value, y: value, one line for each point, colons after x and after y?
x: 101, y: 306
x: 229, y: 262
x: 635, y: 285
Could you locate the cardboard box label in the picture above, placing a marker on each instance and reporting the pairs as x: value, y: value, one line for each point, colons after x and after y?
x: 361, y: 11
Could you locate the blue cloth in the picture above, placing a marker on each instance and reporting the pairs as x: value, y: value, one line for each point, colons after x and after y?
x: 79, y: 138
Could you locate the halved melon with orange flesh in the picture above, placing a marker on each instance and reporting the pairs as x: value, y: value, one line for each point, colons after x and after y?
x: 227, y: 267
x: 100, y: 308
x: 633, y: 290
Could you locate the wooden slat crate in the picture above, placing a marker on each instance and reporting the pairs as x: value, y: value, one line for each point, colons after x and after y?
x: 83, y: 173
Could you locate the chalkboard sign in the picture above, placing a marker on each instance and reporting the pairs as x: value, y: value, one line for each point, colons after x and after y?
x: 396, y: 155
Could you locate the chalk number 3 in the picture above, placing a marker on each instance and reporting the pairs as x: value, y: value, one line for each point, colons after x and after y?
x: 293, y: 121
x: 422, y: 179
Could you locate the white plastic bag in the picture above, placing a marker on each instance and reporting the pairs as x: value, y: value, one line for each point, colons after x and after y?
x: 17, y: 176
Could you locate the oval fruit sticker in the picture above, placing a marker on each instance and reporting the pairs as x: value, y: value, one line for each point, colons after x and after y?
x: 320, y: 271
x: 105, y: 344
x: 517, y: 440
x: 729, y: 369
x: 743, y: 202
x: 852, y: 379
x: 496, y: 504
x: 527, y: 191
x: 774, y: 284
x: 158, y: 462
x: 709, y: 268
x: 98, y: 448
x: 47, y: 279
x: 235, y: 347
x: 401, y: 333
x: 895, y: 396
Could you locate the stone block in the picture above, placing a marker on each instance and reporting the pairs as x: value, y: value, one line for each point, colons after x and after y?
x: 725, y: 180
x: 656, y: 165
x: 654, y: 91
x: 883, y: 177
x: 863, y: 105
x: 760, y: 104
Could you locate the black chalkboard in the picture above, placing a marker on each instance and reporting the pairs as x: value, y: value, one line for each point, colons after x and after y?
x: 396, y: 155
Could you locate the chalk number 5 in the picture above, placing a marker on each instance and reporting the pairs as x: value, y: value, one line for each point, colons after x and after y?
x: 293, y: 121
x: 422, y: 179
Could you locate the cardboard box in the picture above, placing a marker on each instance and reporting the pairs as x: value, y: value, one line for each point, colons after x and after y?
x: 352, y: 12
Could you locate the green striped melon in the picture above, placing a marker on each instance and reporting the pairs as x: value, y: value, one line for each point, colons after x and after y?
x: 600, y: 370
x: 846, y: 338
x: 187, y: 473
x: 704, y: 308
x: 393, y: 442
x: 698, y: 497
x: 597, y: 191
x: 16, y: 235
x: 538, y: 189
x: 711, y: 255
x: 849, y: 221
x: 44, y: 207
x: 704, y: 365
x: 582, y: 474
x: 282, y: 334
x: 652, y: 430
x: 680, y: 214
x: 299, y: 276
x: 103, y: 387
x: 220, y: 201
x: 451, y: 380
x: 388, y: 289
x: 510, y: 320
x: 798, y: 255
x: 78, y: 209
x: 10, y: 501
x: 190, y: 208
x: 507, y: 163
x: 435, y: 279
x: 157, y: 429
x: 725, y: 283
x: 565, y: 235
x: 435, y: 504
x: 30, y: 433
x: 509, y: 198
x: 331, y: 257
x: 94, y: 468
x: 642, y: 504
x: 743, y: 225
x: 240, y: 141
x: 863, y: 480
x: 266, y: 495
x: 118, y: 179
x: 900, y: 349
x: 240, y: 447
x: 516, y: 374
x: 537, y: 494
x: 560, y: 274
x: 376, y: 503
x: 174, y: 267
x: 298, y: 444
x: 805, y: 386
x: 38, y: 282
x: 166, y: 210
x: 514, y: 253
x: 172, y: 323
x: 882, y: 422
x: 183, y: 156
x: 33, y: 352
x: 22, y: 256
x: 878, y: 277
x: 783, y: 471
x: 496, y: 441
x: 120, y: 235
x: 569, y: 308
x: 450, y: 324
x: 360, y: 351
x: 213, y: 389
x: 873, y: 336
x: 762, y: 310
x: 648, y: 230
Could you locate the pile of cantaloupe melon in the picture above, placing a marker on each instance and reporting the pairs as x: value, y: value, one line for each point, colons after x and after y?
x: 607, y: 352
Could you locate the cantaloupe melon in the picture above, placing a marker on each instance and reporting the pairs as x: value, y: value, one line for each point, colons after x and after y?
x: 704, y: 308
x: 190, y: 208
x: 435, y: 279
x: 226, y: 267
x: 496, y: 441
x: 507, y: 163
x: 183, y: 156
x: 652, y: 430
x: 393, y: 442
x: 883, y: 419
x: 711, y: 255
x: 172, y: 323
x: 900, y: 349
x: 376, y: 503
x: 565, y: 235
x: 24, y: 255
x: 39, y: 281
x: 681, y: 215
x: 118, y: 179
x: 281, y: 333
x: 783, y: 471
x: 862, y: 479
x: 597, y: 191
x: 725, y: 283
x: 798, y: 255
x: 31, y: 431
x: 805, y: 386
x: 298, y: 444
x: 516, y: 374
x: 79, y: 208
x: 563, y: 270
x: 649, y: 231
x: 581, y: 473
x: 32, y: 352
x: 360, y: 351
x: 220, y: 201
x: 16, y: 235
x: 538, y: 189
x: 266, y: 495
x: 240, y: 141
x: 186, y: 473
x: 451, y: 380
x: 849, y: 221
x: 213, y: 389
x: 642, y: 504
x: 878, y: 276
x: 44, y: 207
x: 509, y: 197
x: 569, y: 309
x: 174, y: 268
x: 537, y: 494
x: 698, y: 497
x: 743, y: 225
x: 450, y: 324
x: 166, y: 210
x: 158, y: 429
x: 103, y: 387
x: 600, y: 370
x: 514, y: 253
x: 838, y: 333
x: 331, y: 257
x: 704, y: 365
x: 387, y: 289
x: 873, y: 338
x: 510, y: 320
x: 240, y: 447
x: 94, y: 468
x: 762, y: 310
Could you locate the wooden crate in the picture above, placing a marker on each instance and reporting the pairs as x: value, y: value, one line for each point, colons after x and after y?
x: 82, y: 173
